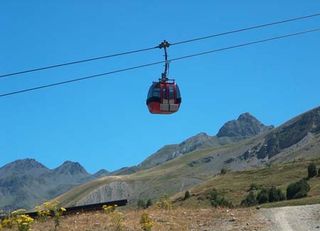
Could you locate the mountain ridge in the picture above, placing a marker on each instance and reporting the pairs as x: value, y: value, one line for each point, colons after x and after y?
x: 231, y: 131
x: 185, y: 171
x: 27, y: 182
x: 178, y: 167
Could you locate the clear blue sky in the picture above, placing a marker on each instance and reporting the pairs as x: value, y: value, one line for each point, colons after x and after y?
x: 104, y: 123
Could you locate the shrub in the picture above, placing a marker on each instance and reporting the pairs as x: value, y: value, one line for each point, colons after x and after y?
x: 109, y: 208
x: 141, y: 204
x: 250, y: 199
x: 253, y: 186
x: 164, y: 203
x: 7, y: 223
x: 19, y: 219
x: 282, y: 196
x: 146, y: 222
x: 186, y: 195
x: 23, y: 222
x: 312, y: 170
x: 276, y: 194
x: 319, y: 172
x: 55, y: 210
x: 149, y: 203
x: 218, y: 200
x: 223, y: 171
x: 298, y: 189
x: 263, y: 196
x: 42, y: 212
x: 117, y: 220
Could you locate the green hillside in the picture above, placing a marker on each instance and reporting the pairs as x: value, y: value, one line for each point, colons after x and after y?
x: 234, y: 185
x: 276, y: 157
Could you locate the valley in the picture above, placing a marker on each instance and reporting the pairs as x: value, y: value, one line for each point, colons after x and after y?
x: 254, y: 155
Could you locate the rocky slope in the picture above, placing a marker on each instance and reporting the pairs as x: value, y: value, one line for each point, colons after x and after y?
x: 295, y: 139
x: 245, y: 126
x: 299, y: 135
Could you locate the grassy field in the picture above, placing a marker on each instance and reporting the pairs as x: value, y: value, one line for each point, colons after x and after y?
x: 234, y: 185
x: 177, y: 219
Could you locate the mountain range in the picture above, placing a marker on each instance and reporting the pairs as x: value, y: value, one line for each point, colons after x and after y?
x: 248, y: 145
x: 240, y: 144
x: 25, y: 183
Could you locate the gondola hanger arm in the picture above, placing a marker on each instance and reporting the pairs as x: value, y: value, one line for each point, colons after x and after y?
x: 165, y: 44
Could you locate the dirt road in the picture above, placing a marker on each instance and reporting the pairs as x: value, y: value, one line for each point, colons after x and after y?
x: 293, y: 218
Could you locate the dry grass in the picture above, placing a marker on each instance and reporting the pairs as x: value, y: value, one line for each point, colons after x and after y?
x: 176, y: 219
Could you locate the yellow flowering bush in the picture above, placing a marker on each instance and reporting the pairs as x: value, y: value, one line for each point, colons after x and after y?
x: 164, y: 203
x: 23, y: 222
x: 146, y: 222
x: 109, y: 208
x: 117, y: 220
x: 52, y: 208
x: 7, y: 223
x: 17, y: 218
x: 43, y: 211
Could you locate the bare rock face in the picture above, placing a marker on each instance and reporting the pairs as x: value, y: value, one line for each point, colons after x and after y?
x: 116, y: 190
x: 245, y: 126
x: 298, y: 130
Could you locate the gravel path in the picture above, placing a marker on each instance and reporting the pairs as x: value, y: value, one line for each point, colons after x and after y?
x: 293, y: 218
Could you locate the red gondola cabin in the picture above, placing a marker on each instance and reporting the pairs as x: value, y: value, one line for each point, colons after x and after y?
x: 164, y: 97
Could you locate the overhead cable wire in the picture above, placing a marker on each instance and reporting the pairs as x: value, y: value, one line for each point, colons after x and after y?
x: 160, y: 62
x: 246, y: 29
x: 77, y: 62
x: 246, y: 44
x: 151, y: 48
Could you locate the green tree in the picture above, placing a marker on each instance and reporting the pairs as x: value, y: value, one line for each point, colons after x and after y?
x: 186, y: 195
x: 263, y: 196
x: 218, y: 200
x: 275, y: 194
x: 298, y: 189
x: 223, y: 171
x: 282, y: 196
x: 312, y: 170
x: 149, y: 203
x: 250, y: 199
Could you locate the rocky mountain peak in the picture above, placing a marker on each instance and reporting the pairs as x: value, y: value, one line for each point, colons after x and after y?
x: 245, y: 126
x: 247, y: 117
x: 102, y: 173
x: 202, y: 136
x: 23, y: 165
x: 71, y: 168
